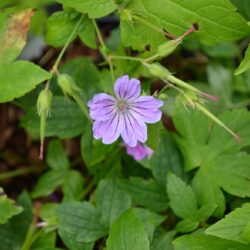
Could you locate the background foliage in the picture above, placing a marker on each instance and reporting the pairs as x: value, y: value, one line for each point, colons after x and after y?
x: 193, y: 193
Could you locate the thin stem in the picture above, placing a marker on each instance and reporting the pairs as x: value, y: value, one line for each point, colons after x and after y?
x: 126, y: 58
x: 18, y: 172
x: 152, y: 58
x: 99, y: 35
x: 55, y: 66
x: 189, y: 31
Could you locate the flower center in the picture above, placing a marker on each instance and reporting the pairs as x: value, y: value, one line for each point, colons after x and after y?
x: 122, y: 105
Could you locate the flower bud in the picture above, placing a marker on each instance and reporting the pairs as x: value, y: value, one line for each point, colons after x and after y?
x: 168, y: 47
x: 158, y: 70
x: 67, y: 85
x: 44, y: 101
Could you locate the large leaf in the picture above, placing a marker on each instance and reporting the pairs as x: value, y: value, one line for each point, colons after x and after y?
x: 128, y: 233
x: 13, y: 33
x: 18, y: 78
x: 202, y: 242
x: 235, y: 226
x: 226, y: 166
x: 94, y: 8
x: 66, y: 120
x: 217, y: 21
x: 111, y: 201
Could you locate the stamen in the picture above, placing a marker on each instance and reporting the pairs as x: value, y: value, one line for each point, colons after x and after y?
x: 122, y: 105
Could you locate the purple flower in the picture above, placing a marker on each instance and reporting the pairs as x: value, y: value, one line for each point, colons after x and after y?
x: 124, y: 115
x: 140, y: 151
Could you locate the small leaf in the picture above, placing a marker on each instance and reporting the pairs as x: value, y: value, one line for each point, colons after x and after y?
x: 19, y: 78
x: 186, y: 226
x: 56, y: 157
x: 245, y: 64
x: 128, y: 233
x: 7, y: 208
x: 182, y: 198
x: 235, y: 226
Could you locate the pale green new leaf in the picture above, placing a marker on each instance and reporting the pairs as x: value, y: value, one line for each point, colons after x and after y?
x: 128, y: 233
x: 235, y: 226
x: 245, y: 64
x: 111, y: 201
x: 8, y: 208
x: 94, y: 8
x: 19, y: 78
x: 217, y: 21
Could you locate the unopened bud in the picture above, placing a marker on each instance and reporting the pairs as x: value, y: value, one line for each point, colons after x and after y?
x: 67, y: 85
x: 158, y: 70
x: 44, y: 101
x: 168, y: 47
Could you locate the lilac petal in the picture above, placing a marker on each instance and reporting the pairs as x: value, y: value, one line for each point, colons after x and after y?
x: 139, y: 152
x: 114, y: 129
x: 133, y: 131
x: 147, y: 115
x: 127, y: 89
x: 99, y: 128
x: 139, y: 127
x: 102, y: 107
x: 101, y: 100
x: 147, y: 102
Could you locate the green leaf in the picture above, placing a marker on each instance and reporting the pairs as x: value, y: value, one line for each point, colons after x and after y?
x: 48, y: 183
x: 59, y: 27
x: 13, y: 233
x: 235, y: 226
x: 73, y: 186
x: 111, y: 201
x: 186, y: 226
x: 226, y: 166
x: 245, y: 64
x: 46, y: 242
x: 81, y: 220
x: 202, y: 242
x: 150, y: 220
x: 18, y: 78
x: 56, y: 157
x: 217, y: 21
x: 243, y: 7
x: 128, y: 233
x: 166, y: 158
x: 8, y: 208
x: 153, y: 135
x: 69, y: 239
x: 163, y: 240
x: 14, y: 25
x: 65, y: 121
x: 182, y: 198
x: 149, y: 194
x: 94, y: 8
x: 208, y: 192
x: 93, y: 151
